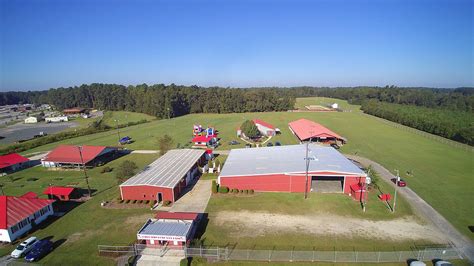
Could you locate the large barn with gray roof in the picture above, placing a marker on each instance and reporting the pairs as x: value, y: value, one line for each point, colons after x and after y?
x: 283, y: 169
x: 165, y: 178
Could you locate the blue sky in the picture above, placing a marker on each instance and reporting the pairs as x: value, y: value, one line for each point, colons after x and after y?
x: 48, y: 43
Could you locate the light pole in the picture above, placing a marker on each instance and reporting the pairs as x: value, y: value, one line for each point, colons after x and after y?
x: 396, y: 189
x: 85, y: 172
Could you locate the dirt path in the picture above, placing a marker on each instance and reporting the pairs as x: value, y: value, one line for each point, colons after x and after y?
x: 461, y: 242
x: 261, y: 223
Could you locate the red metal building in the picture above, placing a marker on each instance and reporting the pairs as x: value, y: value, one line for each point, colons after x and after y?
x: 165, y: 178
x: 69, y: 156
x: 12, y: 162
x: 306, y: 130
x: 283, y: 169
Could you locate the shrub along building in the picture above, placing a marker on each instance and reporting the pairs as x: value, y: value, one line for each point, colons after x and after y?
x: 13, y: 162
x: 283, y: 169
x: 18, y: 215
x: 69, y: 156
x: 165, y: 178
x: 307, y: 130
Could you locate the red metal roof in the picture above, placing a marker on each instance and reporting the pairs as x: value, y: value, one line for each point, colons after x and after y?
x: 201, y: 139
x: 15, y: 209
x: 58, y: 191
x: 305, y: 129
x: 11, y: 159
x: 70, y: 154
x: 263, y: 123
x: 177, y: 215
x: 30, y: 195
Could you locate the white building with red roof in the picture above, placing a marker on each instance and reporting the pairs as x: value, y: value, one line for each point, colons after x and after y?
x: 265, y: 128
x: 75, y: 156
x: 18, y: 215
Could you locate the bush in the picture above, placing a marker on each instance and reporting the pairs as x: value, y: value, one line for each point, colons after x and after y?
x: 134, y: 201
x: 223, y: 189
x: 246, y: 191
x: 121, y: 201
x: 147, y: 202
x: 127, y: 201
x: 166, y: 203
x: 215, y: 187
x: 241, y: 191
x: 106, y: 170
x: 140, y: 201
x: 251, y: 191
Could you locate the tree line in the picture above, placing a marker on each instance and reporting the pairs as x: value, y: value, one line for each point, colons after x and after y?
x: 455, y: 125
x: 159, y: 100
x: 460, y: 99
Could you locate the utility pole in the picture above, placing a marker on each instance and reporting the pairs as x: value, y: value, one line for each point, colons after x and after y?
x: 307, y: 167
x: 85, y: 172
x: 396, y: 189
x: 118, y: 131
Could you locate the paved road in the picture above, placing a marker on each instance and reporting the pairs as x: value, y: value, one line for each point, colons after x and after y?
x: 461, y: 242
x: 195, y: 200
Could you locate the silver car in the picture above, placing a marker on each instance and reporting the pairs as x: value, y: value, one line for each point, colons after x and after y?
x: 24, y: 247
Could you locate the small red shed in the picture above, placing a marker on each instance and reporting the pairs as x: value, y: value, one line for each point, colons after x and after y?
x: 60, y: 193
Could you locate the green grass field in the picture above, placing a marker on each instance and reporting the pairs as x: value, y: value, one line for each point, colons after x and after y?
x: 442, y: 174
x: 124, y: 117
x: 293, y: 204
x: 87, y: 225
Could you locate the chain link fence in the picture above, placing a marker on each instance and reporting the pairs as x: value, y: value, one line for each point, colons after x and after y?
x: 218, y: 253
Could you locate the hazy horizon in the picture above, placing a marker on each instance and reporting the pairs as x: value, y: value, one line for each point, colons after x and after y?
x: 53, y: 43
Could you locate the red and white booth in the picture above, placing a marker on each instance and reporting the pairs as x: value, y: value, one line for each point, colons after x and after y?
x: 174, y: 229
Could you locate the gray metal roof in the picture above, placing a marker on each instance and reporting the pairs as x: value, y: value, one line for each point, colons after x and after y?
x: 166, y: 228
x: 287, y: 159
x: 167, y: 170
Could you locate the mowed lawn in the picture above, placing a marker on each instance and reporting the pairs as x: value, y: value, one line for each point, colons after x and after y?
x: 442, y: 174
x: 83, y: 228
x: 341, y: 205
x: 112, y: 118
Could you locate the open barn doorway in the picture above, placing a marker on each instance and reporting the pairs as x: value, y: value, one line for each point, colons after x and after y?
x: 327, y: 184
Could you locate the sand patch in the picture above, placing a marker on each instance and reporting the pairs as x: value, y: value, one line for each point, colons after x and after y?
x: 261, y: 223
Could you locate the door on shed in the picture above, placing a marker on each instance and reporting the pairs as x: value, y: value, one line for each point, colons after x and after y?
x: 327, y: 184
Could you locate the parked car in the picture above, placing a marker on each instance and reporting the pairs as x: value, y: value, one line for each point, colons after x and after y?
x: 234, y: 142
x: 39, y: 250
x: 443, y: 263
x: 24, y: 247
x: 269, y: 144
x: 277, y: 143
x: 400, y: 183
x: 335, y: 146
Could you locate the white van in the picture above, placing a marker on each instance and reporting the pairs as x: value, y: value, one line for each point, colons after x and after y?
x: 24, y: 247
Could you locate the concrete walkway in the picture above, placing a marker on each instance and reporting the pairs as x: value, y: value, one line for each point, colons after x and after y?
x: 195, y: 200
x: 461, y: 242
x: 170, y: 258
